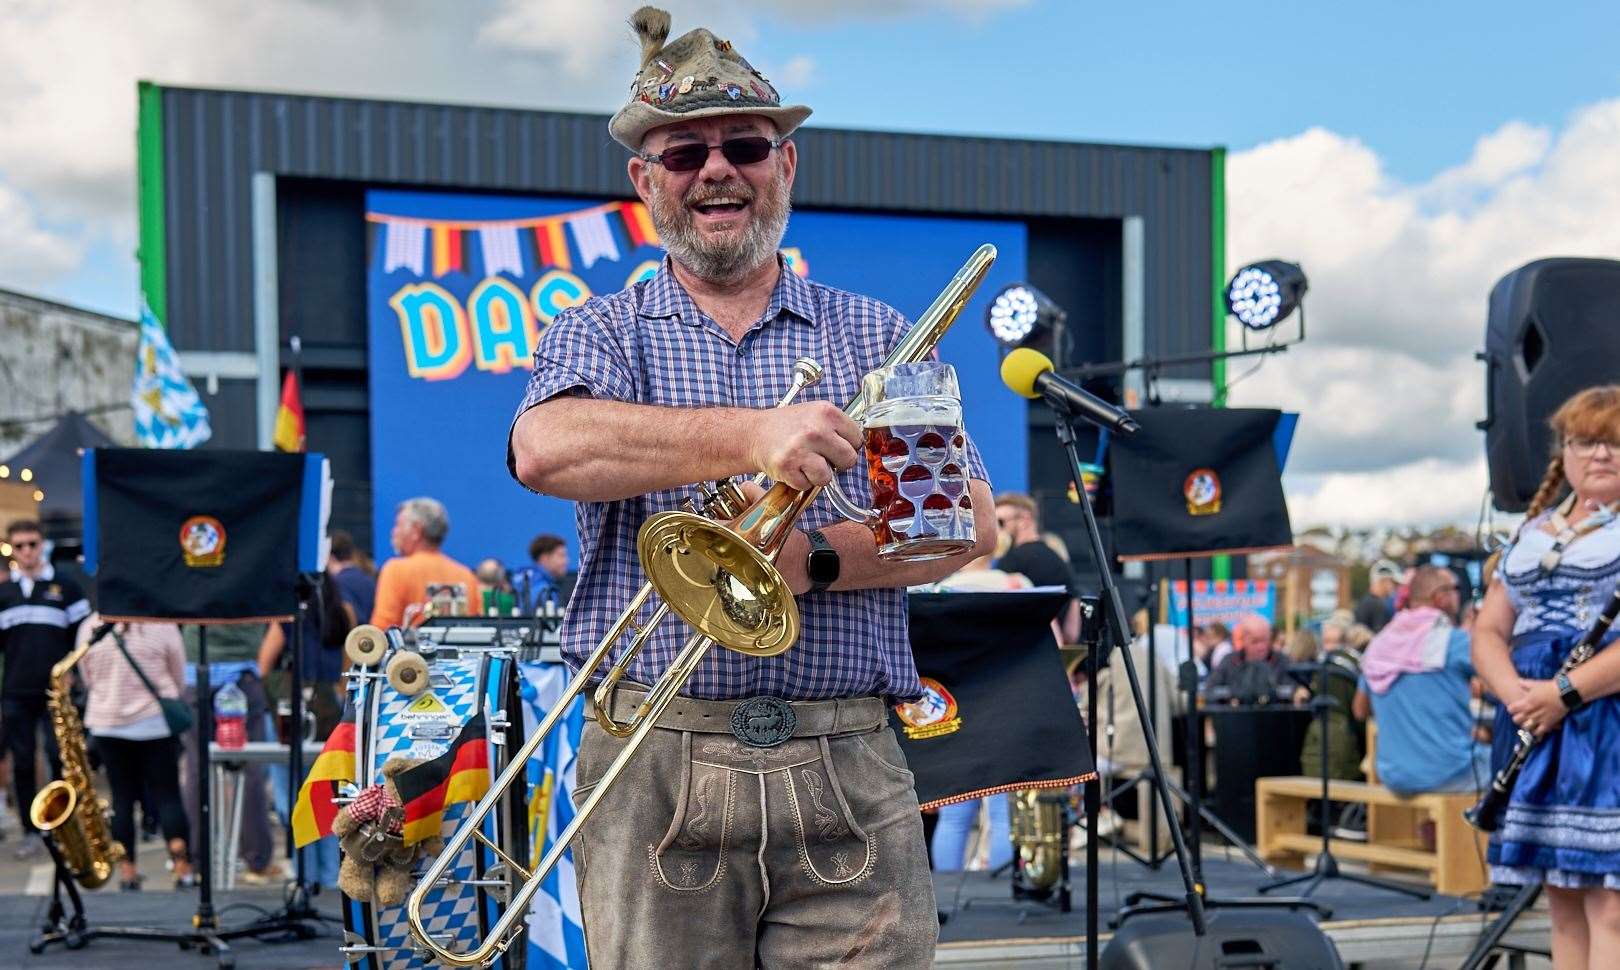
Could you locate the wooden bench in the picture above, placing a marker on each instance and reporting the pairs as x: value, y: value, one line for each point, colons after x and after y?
x: 1454, y: 866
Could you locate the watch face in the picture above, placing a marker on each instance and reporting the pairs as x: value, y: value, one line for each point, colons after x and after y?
x: 823, y: 566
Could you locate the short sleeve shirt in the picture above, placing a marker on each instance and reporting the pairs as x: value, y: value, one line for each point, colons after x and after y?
x: 650, y: 344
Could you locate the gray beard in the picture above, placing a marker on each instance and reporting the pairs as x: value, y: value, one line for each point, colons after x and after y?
x: 717, y: 261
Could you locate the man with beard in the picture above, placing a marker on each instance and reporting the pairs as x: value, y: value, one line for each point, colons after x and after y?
x: 799, y: 845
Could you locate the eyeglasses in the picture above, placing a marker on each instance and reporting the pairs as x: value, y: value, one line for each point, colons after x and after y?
x: 749, y: 150
x: 1587, y: 447
x: 27, y: 544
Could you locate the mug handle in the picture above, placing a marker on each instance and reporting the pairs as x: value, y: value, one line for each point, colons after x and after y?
x: 848, y: 509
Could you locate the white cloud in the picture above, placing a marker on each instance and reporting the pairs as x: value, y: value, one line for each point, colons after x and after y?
x: 796, y: 75
x: 1422, y: 493
x: 1399, y: 276
x: 32, y: 252
x: 68, y: 101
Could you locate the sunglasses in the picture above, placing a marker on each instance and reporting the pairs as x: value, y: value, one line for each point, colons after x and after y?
x: 738, y: 151
x: 29, y: 544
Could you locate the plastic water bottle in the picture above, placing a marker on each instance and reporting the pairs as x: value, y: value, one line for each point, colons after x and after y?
x: 230, y: 717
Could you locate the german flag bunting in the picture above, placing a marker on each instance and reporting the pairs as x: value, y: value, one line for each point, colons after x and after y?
x: 313, y: 814
x: 461, y: 774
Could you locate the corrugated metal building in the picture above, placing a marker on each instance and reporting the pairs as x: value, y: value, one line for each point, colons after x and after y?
x: 252, y: 231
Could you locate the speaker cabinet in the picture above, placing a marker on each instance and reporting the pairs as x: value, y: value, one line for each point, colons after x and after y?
x: 1255, y: 939
x: 1553, y: 330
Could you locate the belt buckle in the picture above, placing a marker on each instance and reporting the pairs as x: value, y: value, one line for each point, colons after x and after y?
x: 763, y: 722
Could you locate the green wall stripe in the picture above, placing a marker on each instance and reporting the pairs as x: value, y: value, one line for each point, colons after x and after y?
x: 153, y: 248
x: 1221, y: 566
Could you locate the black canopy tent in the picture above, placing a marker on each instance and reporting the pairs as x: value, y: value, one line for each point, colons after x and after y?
x: 53, y: 458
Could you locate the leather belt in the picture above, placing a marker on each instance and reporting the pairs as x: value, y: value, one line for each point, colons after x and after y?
x: 758, y: 721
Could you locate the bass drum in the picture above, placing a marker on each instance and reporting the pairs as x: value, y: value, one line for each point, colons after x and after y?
x: 421, y: 725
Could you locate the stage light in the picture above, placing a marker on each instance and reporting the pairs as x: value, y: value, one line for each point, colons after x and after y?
x: 1263, y: 294
x: 5, y: 471
x: 1019, y: 315
x: 27, y: 474
x: 5, y: 548
x: 39, y: 496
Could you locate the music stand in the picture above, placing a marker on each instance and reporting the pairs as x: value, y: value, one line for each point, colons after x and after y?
x: 1327, y: 867
x: 202, y: 536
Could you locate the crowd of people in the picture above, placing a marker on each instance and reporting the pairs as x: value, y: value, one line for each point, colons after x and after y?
x: 119, y: 683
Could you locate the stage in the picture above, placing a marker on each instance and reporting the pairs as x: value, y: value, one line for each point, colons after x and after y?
x: 984, y: 930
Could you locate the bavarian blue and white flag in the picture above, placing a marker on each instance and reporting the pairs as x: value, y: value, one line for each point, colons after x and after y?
x: 556, y: 932
x: 168, y: 412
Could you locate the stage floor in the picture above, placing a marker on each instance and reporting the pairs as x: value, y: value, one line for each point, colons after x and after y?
x: 985, y: 928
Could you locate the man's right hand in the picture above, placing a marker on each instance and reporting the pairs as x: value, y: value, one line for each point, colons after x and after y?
x: 804, y: 444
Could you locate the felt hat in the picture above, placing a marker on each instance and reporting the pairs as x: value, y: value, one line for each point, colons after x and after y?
x: 697, y: 75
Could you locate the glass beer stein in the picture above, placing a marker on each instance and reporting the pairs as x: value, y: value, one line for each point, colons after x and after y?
x: 916, y: 462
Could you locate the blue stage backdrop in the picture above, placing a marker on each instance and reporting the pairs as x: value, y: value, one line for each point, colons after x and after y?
x: 460, y: 286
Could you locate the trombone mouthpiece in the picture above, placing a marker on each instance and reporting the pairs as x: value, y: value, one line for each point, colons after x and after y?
x: 807, y: 371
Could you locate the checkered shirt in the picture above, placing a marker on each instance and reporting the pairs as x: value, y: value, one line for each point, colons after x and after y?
x: 650, y: 344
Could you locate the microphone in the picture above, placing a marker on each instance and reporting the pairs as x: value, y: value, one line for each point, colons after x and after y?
x: 1029, y: 372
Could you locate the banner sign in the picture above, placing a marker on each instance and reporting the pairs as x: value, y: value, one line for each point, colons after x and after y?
x: 461, y: 285
x: 1223, y: 601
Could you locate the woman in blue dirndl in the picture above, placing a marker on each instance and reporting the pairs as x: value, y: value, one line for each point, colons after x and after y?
x: 1562, y: 824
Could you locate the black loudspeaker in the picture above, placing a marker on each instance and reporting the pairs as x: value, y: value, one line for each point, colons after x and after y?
x: 1255, y: 939
x: 1553, y: 330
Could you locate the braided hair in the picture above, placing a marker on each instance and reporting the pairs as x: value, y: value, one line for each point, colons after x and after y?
x: 1551, y: 489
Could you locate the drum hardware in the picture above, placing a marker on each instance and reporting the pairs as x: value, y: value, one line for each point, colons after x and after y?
x: 407, y: 672
x: 357, y: 947
x: 430, y: 731
x: 718, y: 574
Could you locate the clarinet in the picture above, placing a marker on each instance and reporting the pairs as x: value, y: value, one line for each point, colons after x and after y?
x: 1486, y: 815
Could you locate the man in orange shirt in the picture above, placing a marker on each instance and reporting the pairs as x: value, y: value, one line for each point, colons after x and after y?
x: 420, y: 525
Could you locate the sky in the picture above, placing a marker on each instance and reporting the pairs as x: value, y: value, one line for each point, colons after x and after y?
x: 1406, y: 154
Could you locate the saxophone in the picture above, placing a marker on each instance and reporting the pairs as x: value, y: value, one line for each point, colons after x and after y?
x: 1038, y: 837
x: 67, y: 809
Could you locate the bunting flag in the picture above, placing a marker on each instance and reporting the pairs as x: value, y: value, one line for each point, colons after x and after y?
x: 168, y: 412
x: 289, y: 434
x: 313, y: 814
x: 500, y: 249
x: 404, y: 247
x: 461, y: 774
x: 600, y: 232
x: 594, y: 237
x: 553, y: 248
x: 638, y: 223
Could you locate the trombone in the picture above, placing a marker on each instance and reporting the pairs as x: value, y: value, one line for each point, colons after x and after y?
x: 713, y: 565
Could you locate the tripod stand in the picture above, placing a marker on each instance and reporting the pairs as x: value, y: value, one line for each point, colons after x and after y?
x: 1327, y: 867
x: 74, y: 931
x: 1159, y: 902
x: 1115, y: 628
x: 1192, y: 800
x: 297, y: 909
x: 1484, y: 953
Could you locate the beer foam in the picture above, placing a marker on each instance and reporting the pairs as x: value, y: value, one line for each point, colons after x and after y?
x: 926, y: 410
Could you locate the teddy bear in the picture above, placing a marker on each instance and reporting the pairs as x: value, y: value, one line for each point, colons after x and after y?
x: 377, y: 863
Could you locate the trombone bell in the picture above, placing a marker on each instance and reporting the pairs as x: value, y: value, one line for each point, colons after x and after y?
x: 720, y: 583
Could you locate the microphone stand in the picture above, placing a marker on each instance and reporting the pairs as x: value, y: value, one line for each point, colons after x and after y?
x: 1116, y: 625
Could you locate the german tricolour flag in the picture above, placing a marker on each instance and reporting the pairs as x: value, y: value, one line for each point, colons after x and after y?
x: 312, y: 816
x: 461, y: 774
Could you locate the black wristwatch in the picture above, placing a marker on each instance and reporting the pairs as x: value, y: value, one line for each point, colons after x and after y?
x: 822, y: 563
x: 1567, y: 693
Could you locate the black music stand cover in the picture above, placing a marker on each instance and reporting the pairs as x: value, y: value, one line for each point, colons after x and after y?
x: 1198, y: 481
x: 215, y: 536
x: 999, y: 714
